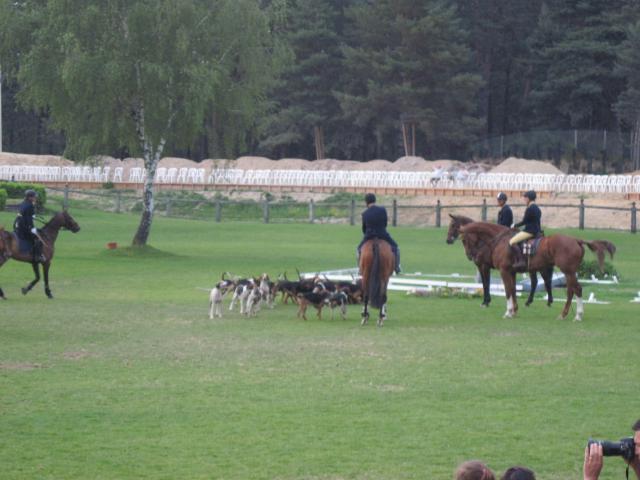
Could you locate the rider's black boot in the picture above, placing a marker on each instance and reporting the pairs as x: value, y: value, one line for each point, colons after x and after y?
x: 519, y: 262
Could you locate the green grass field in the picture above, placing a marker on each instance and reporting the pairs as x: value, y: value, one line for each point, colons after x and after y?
x: 123, y: 375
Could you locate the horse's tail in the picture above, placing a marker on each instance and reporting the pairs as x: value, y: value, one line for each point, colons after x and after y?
x: 374, y: 285
x: 600, y: 247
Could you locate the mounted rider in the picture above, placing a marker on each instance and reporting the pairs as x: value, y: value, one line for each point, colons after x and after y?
x: 374, y: 225
x: 24, y: 228
x: 532, y: 228
x: 505, y: 215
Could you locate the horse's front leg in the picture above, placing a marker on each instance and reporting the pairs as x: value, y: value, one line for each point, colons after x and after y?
x: 36, y: 270
x: 485, y: 275
x: 3, y: 260
x: 534, y: 287
x: 547, y: 276
x: 365, y: 311
x: 507, y: 280
x: 513, y: 293
x: 45, y: 270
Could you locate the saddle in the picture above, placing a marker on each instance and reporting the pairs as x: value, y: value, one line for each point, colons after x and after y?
x: 530, y: 247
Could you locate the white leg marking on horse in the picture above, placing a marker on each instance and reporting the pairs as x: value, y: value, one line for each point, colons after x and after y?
x: 509, y: 312
x: 579, y: 309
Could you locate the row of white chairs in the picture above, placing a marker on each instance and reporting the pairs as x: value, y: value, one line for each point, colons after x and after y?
x: 460, y: 179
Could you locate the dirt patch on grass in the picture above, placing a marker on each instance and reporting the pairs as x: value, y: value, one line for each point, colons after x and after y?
x: 20, y: 366
x: 79, y: 355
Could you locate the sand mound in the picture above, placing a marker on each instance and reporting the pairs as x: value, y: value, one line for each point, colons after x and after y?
x: 521, y: 165
x: 7, y: 158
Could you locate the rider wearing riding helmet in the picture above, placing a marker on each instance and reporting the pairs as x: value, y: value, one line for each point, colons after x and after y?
x: 374, y: 225
x: 505, y: 215
x: 24, y: 228
x: 531, y: 223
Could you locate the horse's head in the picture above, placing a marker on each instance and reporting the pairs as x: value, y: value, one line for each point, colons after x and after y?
x: 457, y: 221
x: 69, y: 223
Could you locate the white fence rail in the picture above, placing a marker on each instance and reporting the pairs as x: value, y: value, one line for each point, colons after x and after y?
x: 331, y: 178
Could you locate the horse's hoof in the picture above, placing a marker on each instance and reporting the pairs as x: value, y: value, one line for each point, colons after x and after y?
x: 507, y: 315
x: 578, y: 318
x: 560, y: 317
x: 364, y: 321
x: 484, y: 305
x: 24, y: 290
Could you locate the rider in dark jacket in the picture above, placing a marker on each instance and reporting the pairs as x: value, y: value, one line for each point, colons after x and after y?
x: 374, y: 225
x: 24, y: 228
x: 532, y: 227
x: 505, y: 215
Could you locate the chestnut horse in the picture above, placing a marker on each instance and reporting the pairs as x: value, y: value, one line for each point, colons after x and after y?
x: 49, y: 234
x: 481, y: 255
x: 560, y: 250
x: 376, y: 266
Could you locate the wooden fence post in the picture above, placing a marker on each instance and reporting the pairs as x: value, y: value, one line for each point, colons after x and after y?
x: 118, y: 201
x: 634, y: 218
x: 65, y: 201
x: 265, y: 211
x: 394, y: 217
x: 581, y: 220
x: 352, y: 212
x: 438, y: 213
x: 312, y: 211
x: 484, y: 210
x: 218, y: 211
x: 168, y: 211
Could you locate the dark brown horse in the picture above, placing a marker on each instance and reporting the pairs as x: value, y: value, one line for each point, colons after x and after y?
x: 376, y: 265
x: 560, y: 250
x: 49, y: 234
x: 480, y: 254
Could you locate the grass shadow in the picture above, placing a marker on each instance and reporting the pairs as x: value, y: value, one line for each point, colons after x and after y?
x: 145, y: 251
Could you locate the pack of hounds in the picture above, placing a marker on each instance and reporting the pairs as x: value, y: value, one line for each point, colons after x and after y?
x: 253, y: 293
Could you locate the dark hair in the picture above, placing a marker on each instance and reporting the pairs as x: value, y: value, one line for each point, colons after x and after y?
x: 473, y: 470
x: 531, y: 195
x: 30, y: 194
x: 518, y: 473
x: 369, y: 198
x: 636, y: 426
x: 502, y: 196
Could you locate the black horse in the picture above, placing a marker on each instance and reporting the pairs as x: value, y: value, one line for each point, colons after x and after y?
x: 49, y: 235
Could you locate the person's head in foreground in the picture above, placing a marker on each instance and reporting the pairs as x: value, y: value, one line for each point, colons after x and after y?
x: 473, y: 470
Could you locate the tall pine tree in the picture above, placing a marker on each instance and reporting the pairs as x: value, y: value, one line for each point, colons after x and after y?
x: 407, y: 59
x: 304, y: 110
x: 575, y: 51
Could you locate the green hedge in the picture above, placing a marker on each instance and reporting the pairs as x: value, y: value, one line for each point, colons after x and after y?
x: 591, y: 267
x: 3, y: 199
x: 16, y: 190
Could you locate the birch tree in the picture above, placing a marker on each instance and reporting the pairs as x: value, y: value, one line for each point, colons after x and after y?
x: 141, y: 73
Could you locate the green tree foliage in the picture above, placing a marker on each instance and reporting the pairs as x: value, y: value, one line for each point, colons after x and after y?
x: 408, y: 59
x: 141, y: 73
x: 499, y: 30
x: 304, y: 108
x: 628, y: 104
x: 576, y: 47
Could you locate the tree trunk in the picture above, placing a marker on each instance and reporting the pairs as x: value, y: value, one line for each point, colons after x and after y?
x: 635, y: 145
x: 144, y: 228
x: 319, y: 141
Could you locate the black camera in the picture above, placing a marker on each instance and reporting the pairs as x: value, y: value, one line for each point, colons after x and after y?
x: 625, y: 448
